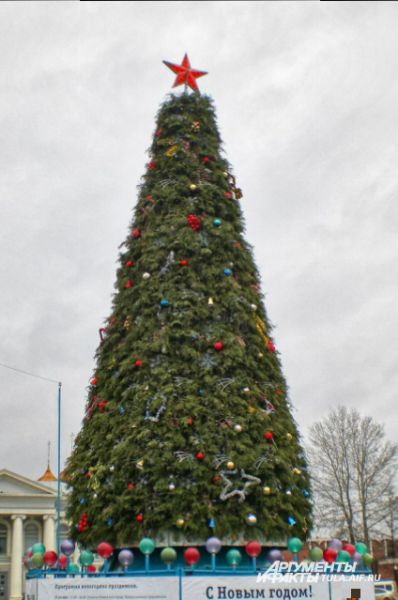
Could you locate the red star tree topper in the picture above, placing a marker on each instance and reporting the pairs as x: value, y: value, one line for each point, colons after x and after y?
x: 185, y: 75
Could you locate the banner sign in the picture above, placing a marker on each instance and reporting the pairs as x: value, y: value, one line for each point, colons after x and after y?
x: 103, y: 588
x: 206, y: 587
x: 231, y: 588
x: 280, y: 587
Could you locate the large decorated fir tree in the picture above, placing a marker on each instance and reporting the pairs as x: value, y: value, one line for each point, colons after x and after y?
x: 188, y: 429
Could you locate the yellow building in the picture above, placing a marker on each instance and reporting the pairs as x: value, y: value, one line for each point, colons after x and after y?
x: 27, y: 516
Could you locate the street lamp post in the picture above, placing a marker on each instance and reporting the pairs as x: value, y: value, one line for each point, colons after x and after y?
x: 59, y: 470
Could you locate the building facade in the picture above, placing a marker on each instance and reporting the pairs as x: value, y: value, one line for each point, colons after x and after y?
x: 27, y: 516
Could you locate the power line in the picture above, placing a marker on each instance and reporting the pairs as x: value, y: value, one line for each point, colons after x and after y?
x: 29, y: 374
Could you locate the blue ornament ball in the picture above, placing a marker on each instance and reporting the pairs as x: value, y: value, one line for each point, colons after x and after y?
x: 227, y: 272
x: 164, y: 303
x: 217, y: 222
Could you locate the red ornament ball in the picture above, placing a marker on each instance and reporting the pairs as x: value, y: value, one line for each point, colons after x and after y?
x: 152, y: 165
x: 194, y: 222
x: 253, y: 549
x: 102, y: 405
x: 138, y: 363
x: 218, y: 346
x: 191, y: 556
x: 139, y: 518
x: 62, y: 562
x: 206, y: 159
x: 330, y: 555
x: 130, y: 486
x: 271, y: 346
x: 93, y: 381
x: 50, y: 558
x: 269, y: 436
x: 183, y: 263
x: 228, y: 194
x: 128, y: 284
x: 158, y: 132
x: 91, y: 568
x: 200, y: 456
x: 129, y: 263
x: 189, y: 420
x: 349, y: 548
x: 136, y: 233
x: 105, y: 550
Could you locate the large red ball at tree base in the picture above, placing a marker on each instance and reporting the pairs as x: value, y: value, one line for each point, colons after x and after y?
x: 349, y: 548
x: 330, y: 555
x: 253, y: 549
x: 105, y: 550
x: 91, y: 568
x: 191, y: 556
x: 62, y: 561
x: 139, y: 518
x: 218, y: 346
x: 200, y: 456
x: 50, y: 558
x: 269, y: 436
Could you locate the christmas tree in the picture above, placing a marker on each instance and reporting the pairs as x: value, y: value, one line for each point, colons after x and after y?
x: 188, y: 430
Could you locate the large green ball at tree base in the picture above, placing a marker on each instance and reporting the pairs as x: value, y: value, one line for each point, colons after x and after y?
x: 38, y: 549
x: 361, y: 548
x: 37, y: 560
x: 294, y: 545
x: 168, y: 555
x: 86, y: 558
x: 367, y: 559
x: 72, y: 568
x: 343, y: 556
x: 234, y: 557
x: 147, y: 546
x: 316, y: 554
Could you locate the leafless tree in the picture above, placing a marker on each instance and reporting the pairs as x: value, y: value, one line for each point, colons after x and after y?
x: 353, y: 469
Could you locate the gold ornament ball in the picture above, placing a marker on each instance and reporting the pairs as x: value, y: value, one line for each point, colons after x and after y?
x: 140, y: 464
x: 252, y: 409
x: 225, y: 173
x: 193, y: 187
x: 246, y: 390
x: 260, y: 354
x: 180, y: 523
x: 297, y: 471
x: 288, y: 492
x: 289, y: 436
x: 146, y: 275
x: 238, y: 428
x: 230, y: 465
x: 253, y: 306
x: 267, y: 490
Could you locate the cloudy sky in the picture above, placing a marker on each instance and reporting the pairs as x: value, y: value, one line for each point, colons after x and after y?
x: 307, y: 97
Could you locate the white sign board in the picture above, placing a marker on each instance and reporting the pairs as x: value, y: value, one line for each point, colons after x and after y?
x: 231, y: 588
x: 217, y: 587
x: 103, y: 588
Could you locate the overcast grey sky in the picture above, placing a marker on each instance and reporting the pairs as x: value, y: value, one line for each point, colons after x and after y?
x: 307, y: 97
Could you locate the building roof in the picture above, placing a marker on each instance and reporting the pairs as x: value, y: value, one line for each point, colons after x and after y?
x: 48, y: 475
